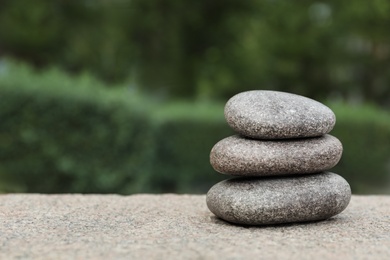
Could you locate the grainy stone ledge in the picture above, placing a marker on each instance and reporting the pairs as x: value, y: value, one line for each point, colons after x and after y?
x: 179, y: 227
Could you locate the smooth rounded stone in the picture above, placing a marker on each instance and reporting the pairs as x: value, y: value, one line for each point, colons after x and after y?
x: 263, y: 114
x: 263, y: 201
x: 240, y: 156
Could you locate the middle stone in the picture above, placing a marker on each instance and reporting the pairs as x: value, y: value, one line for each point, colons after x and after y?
x: 240, y: 156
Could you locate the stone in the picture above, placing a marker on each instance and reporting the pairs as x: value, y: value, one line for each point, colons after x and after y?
x: 264, y: 201
x: 240, y: 156
x: 263, y: 114
x: 173, y: 226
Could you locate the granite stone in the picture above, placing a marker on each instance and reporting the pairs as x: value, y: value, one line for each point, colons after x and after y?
x: 240, y: 156
x: 263, y: 201
x: 179, y: 226
x: 264, y: 114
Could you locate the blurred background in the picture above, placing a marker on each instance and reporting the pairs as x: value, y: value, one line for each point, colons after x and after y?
x: 127, y: 96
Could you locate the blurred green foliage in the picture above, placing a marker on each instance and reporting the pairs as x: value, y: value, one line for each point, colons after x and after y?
x: 56, y: 138
x: 365, y: 133
x: 184, y: 134
x: 210, y: 49
x: 96, y: 134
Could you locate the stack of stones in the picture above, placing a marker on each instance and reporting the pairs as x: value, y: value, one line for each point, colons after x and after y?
x: 281, y: 155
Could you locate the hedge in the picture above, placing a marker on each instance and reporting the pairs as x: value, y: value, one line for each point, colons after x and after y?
x: 59, y: 138
x: 184, y: 135
x: 365, y: 134
x: 54, y: 139
x: 187, y: 132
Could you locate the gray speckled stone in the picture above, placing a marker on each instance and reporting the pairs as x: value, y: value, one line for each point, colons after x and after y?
x: 239, y: 156
x: 266, y: 114
x: 262, y: 201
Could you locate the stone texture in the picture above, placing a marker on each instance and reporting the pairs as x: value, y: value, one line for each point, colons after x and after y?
x: 239, y: 156
x: 263, y: 114
x: 263, y: 201
x: 179, y: 227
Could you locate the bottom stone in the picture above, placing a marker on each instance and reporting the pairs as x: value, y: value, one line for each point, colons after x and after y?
x: 262, y: 201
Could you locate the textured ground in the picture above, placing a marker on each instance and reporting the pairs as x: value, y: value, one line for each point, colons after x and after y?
x: 179, y: 227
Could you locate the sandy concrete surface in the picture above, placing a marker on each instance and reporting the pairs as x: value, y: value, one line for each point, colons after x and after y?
x: 179, y: 227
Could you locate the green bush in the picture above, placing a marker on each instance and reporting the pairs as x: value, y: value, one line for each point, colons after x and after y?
x: 58, y: 138
x: 184, y: 135
x: 365, y: 134
x: 55, y: 139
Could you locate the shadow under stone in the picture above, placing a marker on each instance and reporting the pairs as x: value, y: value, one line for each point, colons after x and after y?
x: 330, y: 221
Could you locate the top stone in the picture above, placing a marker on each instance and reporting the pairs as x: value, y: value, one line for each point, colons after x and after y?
x: 264, y: 114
